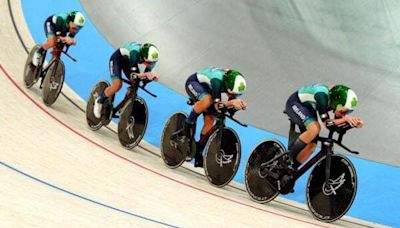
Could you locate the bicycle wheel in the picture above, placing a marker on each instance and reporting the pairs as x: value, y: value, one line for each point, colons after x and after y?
x: 262, y: 189
x: 222, y: 159
x: 93, y: 122
x: 330, y: 202
x: 31, y: 72
x: 170, y: 152
x: 132, y: 123
x: 53, y: 81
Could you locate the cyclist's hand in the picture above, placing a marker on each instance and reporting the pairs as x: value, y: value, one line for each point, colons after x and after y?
x: 354, y: 121
x: 238, y: 104
x: 218, y: 106
x: 152, y: 76
x: 68, y: 40
x: 133, y: 76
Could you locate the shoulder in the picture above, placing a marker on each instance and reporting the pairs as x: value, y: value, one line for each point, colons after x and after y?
x: 214, y: 72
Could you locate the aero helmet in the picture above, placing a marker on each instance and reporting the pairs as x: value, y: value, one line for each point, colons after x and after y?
x: 234, y: 82
x: 342, y: 97
x: 149, y: 52
x: 77, y: 18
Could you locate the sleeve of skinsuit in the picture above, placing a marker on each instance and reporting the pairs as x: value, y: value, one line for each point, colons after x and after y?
x: 215, y: 88
x: 134, y: 60
x: 322, y: 101
x: 60, y: 23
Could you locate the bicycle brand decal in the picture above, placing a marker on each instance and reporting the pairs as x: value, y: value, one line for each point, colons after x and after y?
x: 129, y: 127
x: 333, y: 185
x: 54, y: 85
x: 222, y: 158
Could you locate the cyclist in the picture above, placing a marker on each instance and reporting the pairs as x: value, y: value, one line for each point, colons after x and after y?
x: 126, y: 59
x: 205, y: 88
x: 68, y: 24
x: 302, y: 107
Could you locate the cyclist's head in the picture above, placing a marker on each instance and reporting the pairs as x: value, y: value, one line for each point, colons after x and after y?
x: 234, y: 82
x: 342, y: 99
x: 77, y: 19
x: 149, y: 53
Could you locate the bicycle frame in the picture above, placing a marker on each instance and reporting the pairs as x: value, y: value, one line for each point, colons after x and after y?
x: 326, y: 151
x: 56, y: 53
x: 131, y: 93
x: 220, y: 121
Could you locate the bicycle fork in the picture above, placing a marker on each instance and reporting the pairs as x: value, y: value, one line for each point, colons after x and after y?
x: 329, y: 147
x: 43, y: 72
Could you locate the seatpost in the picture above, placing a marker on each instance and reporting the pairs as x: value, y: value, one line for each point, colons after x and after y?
x: 292, y: 133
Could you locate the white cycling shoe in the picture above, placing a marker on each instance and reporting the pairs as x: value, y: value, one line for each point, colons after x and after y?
x: 36, y: 58
x: 97, y: 108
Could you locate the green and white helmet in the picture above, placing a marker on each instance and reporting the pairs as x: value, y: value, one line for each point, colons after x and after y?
x: 342, y: 97
x: 149, y: 52
x: 234, y: 82
x: 77, y: 18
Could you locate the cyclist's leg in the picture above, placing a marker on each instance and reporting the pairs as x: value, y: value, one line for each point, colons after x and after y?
x: 115, y: 72
x: 49, y: 30
x: 197, y: 92
x: 208, y: 124
x: 206, y: 131
x: 203, y: 100
x: 306, y: 119
x: 116, y: 84
x: 308, y: 137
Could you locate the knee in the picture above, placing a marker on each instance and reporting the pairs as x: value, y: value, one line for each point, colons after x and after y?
x: 51, y: 42
x: 203, y: 104
x: 314, y: 129
x: 206, y: 100
x: 115, y: 87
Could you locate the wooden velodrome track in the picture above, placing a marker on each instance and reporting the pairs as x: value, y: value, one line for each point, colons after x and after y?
x: 55, y: 172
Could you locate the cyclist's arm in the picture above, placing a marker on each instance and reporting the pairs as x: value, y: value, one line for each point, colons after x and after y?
x: 339, y: 121
x: 322, y: 101
x: 216, y: 89
x: 352, y: 120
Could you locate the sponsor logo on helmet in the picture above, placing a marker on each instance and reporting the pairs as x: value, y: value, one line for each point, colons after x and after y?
x: 81, y: 20
x: 242, y: 87
x: 154, y: 55
x: 354, y: 102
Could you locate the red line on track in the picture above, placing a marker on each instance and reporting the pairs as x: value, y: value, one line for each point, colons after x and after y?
x: 140, y: 165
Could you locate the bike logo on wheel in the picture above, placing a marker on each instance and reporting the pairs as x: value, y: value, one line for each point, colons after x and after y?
x: 333, y: 185
x: 54, y: 85
x: 222, y: 159
x: 129, y: 127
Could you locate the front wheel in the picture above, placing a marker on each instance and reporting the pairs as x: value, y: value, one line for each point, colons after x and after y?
x: 263, y: 188
x: 31, y: 72
x: 329, y: 202
x: 53, y: 81
x: 222, y: 158
x: 132, y: 123
x: 170, y: 148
